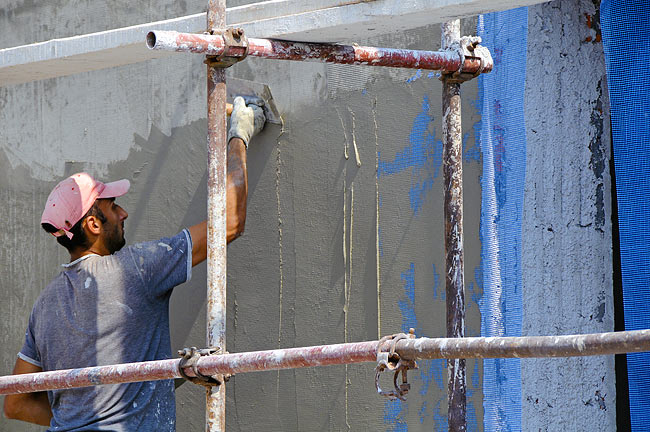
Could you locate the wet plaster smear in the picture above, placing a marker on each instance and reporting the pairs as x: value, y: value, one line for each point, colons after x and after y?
x: 344, y: 234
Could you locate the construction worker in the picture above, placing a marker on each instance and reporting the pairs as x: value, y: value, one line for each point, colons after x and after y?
x: 110, y: 304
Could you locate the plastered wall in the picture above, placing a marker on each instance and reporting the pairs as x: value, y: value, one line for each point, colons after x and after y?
x: 344, y: 235
x: 566, y: 244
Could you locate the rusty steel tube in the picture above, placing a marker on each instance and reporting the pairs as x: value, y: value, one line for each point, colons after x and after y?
x: 215, y: 406
x: 527, y: 346
x: 453, y: 210
x: 325, y: 355
x: 445, y: 61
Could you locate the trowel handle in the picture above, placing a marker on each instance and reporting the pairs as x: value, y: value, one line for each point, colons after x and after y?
x: 228, y: 109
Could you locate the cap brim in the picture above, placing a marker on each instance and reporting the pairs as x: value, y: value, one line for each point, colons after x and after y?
x: 115, y: 189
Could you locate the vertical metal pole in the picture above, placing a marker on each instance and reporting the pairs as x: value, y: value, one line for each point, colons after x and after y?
x: 454, y: 280
x: 217, y: 149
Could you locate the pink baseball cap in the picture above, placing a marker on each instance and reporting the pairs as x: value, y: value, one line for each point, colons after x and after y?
x: 71, y: 199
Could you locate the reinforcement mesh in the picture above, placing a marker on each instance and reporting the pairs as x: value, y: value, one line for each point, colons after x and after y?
x: 626, y: 30
x: 503, y: 146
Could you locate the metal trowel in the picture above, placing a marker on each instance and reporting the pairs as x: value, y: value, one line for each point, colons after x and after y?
x: 252, y: 92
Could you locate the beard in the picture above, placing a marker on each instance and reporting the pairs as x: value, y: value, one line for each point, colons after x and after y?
x: 114, y: 237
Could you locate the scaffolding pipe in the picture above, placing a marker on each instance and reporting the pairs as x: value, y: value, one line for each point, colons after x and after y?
x: 453, y: 212
x: 325, y: 355
x: 215, y: 407
x: 445, y: 61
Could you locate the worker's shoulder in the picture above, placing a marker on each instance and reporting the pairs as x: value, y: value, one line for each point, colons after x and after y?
x: 50, y: 294
x: 179, y: 242
x: 78, y: 276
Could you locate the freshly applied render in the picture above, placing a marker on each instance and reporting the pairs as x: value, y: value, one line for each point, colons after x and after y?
x: 344, y: 236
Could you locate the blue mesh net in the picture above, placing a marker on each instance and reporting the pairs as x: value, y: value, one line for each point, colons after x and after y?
x: 626, y: 27
x: 503, y: 146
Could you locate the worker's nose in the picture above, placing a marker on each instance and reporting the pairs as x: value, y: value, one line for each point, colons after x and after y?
x: 123, y: 214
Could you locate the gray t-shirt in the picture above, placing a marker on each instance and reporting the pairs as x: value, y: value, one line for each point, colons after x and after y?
x: 103, y: 310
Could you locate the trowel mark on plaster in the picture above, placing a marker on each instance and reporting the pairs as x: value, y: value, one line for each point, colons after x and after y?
x: 348, y: 285
x: 280, y: 257
x: 345, y: 135
x: 423, y: 155
x: 377, y: 249
x: 354, y: 139
x: 345, y: 285
x: 345, y: 232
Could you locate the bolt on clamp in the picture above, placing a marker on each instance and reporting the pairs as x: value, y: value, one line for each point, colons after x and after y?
x: 235, y: 48
x: 387, y: 358
x: 468, y: 48
x: 189, y: 359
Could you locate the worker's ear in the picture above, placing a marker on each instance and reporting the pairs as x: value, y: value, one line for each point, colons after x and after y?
x: 93, y: 225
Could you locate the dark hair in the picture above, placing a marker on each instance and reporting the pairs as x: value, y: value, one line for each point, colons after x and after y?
x: 79, y: 238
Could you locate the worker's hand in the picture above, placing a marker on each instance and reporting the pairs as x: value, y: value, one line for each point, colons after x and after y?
x: 245, y: 121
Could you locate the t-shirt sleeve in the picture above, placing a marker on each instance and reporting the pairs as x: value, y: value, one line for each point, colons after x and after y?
x: 163, y: 264
x: 29, y: 352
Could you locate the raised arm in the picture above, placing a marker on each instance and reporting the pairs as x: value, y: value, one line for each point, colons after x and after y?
x: 245, y: 122
x: 236, y: 195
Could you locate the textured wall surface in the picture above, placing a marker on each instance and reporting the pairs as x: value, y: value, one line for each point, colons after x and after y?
x: 566, y: 240
x: 344, y: 232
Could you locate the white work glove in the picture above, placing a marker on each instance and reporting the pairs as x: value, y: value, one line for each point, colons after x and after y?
x: 245, y: 121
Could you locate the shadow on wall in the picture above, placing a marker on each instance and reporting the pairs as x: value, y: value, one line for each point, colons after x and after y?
x: 188, y: 303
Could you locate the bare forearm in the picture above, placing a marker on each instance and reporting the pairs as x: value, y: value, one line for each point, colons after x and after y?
x: 29, y: 407
x: 236, y: 196
x: 236, y: 189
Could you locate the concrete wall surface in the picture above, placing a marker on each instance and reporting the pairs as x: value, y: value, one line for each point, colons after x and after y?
x: 566, y: 242
x: 344, y: 235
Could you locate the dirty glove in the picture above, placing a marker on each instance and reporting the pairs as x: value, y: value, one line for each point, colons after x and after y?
x: 245, y: 121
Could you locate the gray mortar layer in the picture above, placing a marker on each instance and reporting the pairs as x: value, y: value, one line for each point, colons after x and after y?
x: 288, y: 274
x: 566, y: 251
x: 325, y: 237
x: 290, y: 277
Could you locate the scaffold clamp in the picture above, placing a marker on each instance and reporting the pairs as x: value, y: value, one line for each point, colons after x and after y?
x: 387, y: 358
x: 235, y: 48
x: 469, y: 48
x: 189, y: 359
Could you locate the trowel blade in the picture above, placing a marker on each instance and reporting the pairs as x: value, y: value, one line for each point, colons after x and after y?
x: 251, y: 90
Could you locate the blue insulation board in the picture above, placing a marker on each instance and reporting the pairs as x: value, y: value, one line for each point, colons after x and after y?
x: 503, y: 146
x: 625, y: 27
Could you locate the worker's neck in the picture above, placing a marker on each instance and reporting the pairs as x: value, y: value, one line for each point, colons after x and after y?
x: 95, y: 249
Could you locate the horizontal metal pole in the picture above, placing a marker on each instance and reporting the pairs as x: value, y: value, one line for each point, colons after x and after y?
x: 444, y: 61
x: 325, y: 355
x: 305, y: 20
